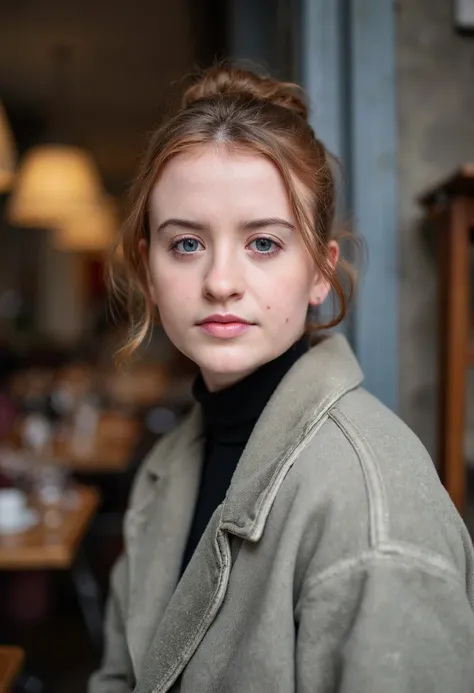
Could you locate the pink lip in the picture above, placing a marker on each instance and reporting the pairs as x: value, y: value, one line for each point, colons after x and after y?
x: 224, y: 326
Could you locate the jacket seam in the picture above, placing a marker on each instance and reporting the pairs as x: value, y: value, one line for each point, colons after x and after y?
x: 376, y: 496
x: 282, y: 471
x: 404, y: 555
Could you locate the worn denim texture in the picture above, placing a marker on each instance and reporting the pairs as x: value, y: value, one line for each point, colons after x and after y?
x: 337, y: 561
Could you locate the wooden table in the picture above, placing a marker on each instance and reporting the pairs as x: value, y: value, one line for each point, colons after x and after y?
x: 44, y: 547
x: 103, y: 457
x: 58, y: 546
x: 450, y: 205
x: 110, y: 452
x: 11, y: 660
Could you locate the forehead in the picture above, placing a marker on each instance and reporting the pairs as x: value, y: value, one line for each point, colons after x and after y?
x: 215, y: 179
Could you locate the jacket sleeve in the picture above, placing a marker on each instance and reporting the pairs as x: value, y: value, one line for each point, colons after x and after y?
x: 115, y: 674
x: 388, y: 624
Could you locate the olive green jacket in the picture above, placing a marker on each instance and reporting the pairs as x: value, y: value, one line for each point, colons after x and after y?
x: 336, y: 562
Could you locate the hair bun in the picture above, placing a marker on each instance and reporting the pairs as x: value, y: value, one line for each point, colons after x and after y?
x: 231, y: 80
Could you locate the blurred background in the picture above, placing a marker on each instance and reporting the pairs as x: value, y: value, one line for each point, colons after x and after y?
x: 82, y: 86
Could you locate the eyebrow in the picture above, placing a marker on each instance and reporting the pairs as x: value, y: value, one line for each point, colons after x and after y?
x: 247, y: 226
x: 271, y: 221
x: 182, y: 223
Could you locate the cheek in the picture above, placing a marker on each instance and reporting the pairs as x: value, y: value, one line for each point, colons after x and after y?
x: 288, y: 299
x: 174, y: 307
x: 286, y: 303
x: 169, y: 287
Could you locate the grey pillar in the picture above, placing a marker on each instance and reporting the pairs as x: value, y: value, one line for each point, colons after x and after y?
x: 374, y: 192
x: 261, y: 32
x: 347, y: 68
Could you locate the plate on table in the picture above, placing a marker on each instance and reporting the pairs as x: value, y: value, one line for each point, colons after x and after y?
x: 27, y: 520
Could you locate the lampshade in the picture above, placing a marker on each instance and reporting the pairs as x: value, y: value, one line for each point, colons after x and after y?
x: 92, y: 229
x: 7, y: 153
x: 54, y: 182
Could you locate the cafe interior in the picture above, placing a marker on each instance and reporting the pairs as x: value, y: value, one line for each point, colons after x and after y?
x: 82, y: 85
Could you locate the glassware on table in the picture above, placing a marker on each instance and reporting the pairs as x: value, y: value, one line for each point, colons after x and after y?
x: 52, y: 493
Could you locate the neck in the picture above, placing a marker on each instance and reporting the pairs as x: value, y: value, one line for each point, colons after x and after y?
x: 232, y: 411
x: 215, y: 382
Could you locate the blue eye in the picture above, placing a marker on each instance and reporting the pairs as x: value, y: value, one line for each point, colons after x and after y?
x: 264, y: 246
x: 187, y: 246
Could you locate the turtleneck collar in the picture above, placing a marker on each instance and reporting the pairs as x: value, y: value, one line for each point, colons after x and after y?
x: 231, y: 414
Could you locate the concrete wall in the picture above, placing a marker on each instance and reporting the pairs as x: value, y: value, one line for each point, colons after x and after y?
x: 436, y: 133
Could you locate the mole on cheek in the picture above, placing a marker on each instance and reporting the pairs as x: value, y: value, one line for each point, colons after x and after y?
x: 268, y: 307
x: 287, y: 320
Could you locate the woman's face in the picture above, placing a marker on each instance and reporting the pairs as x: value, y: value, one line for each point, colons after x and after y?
x: 227, y: 269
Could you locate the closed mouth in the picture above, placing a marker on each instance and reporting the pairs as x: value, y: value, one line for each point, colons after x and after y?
x: 224, y: 320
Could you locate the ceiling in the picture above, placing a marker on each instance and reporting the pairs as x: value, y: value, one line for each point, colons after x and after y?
x: 100, y: 74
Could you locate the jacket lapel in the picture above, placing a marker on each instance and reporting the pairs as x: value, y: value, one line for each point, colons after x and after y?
x: 156, y: 532
x: 190, y: 612
x: 292, y: 416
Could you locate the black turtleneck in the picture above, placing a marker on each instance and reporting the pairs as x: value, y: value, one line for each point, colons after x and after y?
x: 229, y: 418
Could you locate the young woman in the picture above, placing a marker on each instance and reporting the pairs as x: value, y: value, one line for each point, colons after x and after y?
x: 291, y: 535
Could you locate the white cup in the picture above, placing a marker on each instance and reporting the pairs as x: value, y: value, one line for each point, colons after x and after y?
x: 12, y: 507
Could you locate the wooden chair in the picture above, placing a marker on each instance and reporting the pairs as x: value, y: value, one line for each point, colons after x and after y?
x: 450, y: 205
x: 11, y: 660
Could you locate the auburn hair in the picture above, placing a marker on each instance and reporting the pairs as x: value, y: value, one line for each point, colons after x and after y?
x: 242, y: 110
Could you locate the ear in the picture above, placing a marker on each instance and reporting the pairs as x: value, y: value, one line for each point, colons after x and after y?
x: 144, y: 253
x: 321, y: 286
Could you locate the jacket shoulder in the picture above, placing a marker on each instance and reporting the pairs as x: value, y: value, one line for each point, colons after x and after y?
x: 370, y: 483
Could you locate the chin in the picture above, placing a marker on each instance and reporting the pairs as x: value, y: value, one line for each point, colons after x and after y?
x: 230, y: 362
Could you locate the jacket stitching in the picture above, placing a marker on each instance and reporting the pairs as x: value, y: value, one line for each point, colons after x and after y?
x: 403, y: 555
x: 282, y: 471
x: 310, y: 429
x: 378, y: 508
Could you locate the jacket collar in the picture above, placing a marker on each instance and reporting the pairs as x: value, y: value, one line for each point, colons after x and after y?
x: 159, y: 463
x: 318, y: 379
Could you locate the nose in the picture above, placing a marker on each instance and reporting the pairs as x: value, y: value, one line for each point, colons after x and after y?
x: 223, y: 280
